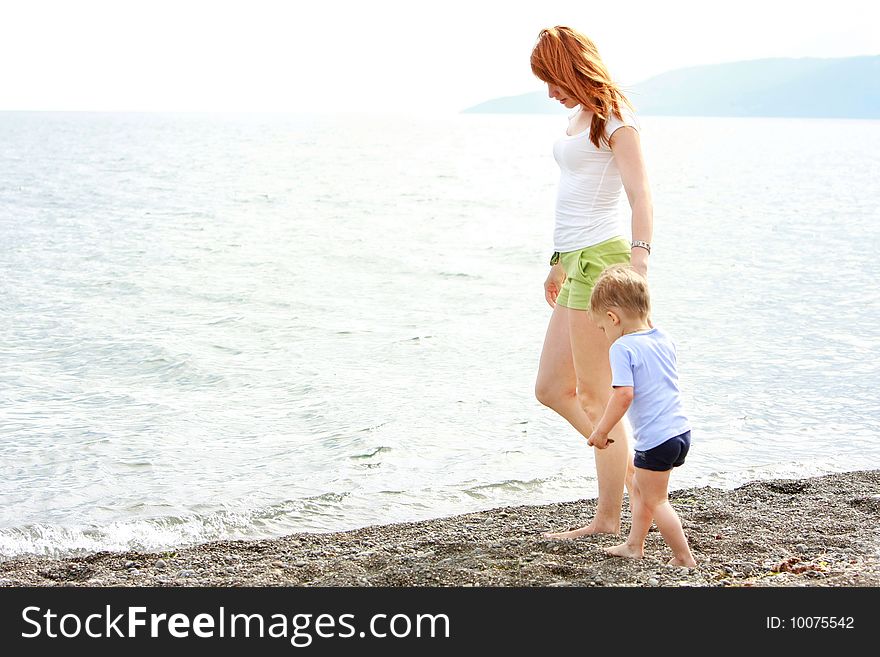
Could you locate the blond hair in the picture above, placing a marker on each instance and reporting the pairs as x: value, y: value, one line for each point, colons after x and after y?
x: 565, y: 57
x: 621, y: 286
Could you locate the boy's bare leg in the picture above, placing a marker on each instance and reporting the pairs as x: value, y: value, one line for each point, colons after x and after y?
x: 634, y: 548
x: 669, y: 525
x: 653, y: 492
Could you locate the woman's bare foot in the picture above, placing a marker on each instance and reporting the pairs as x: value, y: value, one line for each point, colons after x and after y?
x: 686, y: 562
x: 586, y: 530
x: 625, y: 550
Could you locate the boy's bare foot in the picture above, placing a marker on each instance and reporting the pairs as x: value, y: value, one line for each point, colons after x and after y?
x: 687, y: 563
x: 625, y: 550
x: 586, y: 530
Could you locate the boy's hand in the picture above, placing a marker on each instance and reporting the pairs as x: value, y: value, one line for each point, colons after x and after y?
x: 599, y: 440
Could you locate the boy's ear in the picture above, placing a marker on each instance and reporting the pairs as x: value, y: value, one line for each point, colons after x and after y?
x: 615, y: 318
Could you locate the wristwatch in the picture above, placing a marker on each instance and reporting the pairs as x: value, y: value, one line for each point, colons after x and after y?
x: 554, y: 258
x: 644, y: 245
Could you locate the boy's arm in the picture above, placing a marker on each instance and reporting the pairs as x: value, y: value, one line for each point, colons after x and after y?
x: 620, y: 401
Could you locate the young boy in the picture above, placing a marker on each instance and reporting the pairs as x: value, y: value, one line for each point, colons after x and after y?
x: 645, y: 382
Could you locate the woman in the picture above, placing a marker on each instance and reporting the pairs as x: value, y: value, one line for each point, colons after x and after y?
x: 600, y: 154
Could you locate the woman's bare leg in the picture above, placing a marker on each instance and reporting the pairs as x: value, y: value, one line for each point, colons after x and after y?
x: 556, y: 384
x: 574, y: 379
x: 642, y: 518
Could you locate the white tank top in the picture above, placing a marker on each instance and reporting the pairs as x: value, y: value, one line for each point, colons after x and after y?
x: 589, y: 189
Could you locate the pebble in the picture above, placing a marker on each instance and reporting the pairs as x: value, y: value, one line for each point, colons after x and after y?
x: 800, y: 547
x: 161, y: 563
x: 230, y: 569
x: 277, y: 564
x: 129, y: 564
x: 134, y: 571
x: 653, y: 582
x: 6, y: 582
x: 299, y: 564
x: 186, y: 573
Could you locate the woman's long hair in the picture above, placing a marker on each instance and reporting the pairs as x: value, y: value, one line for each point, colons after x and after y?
x: 565, y: 57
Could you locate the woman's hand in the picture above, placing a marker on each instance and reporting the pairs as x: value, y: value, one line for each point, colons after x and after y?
x: 553, y: 284
x: 638, y: 259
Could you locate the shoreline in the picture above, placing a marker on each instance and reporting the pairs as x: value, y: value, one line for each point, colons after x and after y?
x: 818, y: 531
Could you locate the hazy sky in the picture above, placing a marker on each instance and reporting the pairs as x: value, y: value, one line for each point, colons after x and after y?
x: 377, y: 55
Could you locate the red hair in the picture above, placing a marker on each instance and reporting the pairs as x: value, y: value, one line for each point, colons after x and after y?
x: 565, y: 57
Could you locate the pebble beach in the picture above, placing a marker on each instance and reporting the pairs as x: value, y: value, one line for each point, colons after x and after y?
x: 821, y: 531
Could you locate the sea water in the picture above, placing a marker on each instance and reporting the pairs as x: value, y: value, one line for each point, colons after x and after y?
x: 243, y: 326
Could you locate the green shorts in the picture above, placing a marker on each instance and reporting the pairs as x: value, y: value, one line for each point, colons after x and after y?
x: 583, y: 267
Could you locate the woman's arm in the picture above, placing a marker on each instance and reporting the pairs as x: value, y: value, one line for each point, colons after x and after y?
x: 627, y: 149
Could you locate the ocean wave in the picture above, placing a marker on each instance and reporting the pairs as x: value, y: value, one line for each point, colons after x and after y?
x: 163, y: 533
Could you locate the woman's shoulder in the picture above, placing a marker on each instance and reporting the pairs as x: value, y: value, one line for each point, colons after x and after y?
x: 627, y: 118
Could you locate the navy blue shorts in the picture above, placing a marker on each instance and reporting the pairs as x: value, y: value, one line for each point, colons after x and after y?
x: 664, y: 456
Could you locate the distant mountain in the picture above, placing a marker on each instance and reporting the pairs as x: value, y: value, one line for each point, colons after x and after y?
x: 531, y: 103
x: 847, y: 87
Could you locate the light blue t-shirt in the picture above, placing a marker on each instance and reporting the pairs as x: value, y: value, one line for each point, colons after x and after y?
x: 646, y: 361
